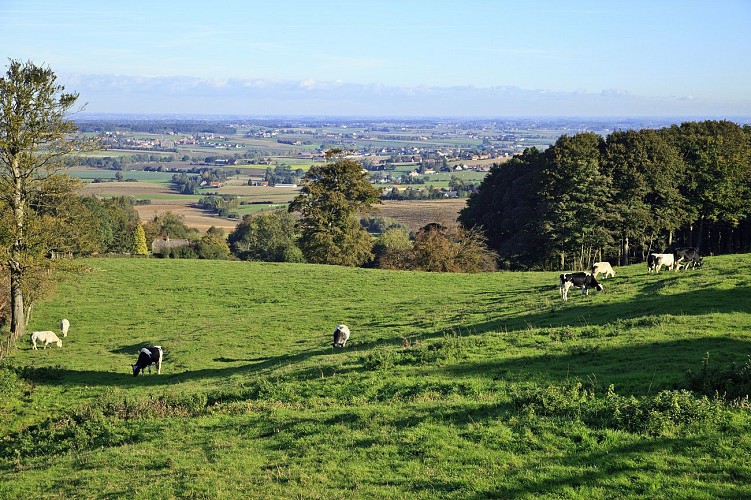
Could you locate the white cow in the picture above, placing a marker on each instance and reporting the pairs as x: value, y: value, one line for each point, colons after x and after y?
x: 341, y: 336
x: 64, y: 327
x: 602, y: 267
x: 657, y: 260
x: 47, y: 337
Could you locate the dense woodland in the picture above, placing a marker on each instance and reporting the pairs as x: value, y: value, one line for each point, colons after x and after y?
x: 619, y: 197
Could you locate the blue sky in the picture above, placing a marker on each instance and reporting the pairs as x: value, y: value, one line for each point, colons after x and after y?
x: 479, y: 58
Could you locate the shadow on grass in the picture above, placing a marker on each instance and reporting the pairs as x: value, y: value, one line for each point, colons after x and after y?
x: 588, y: 310
x: 56, y: 375
x: 634, y: 370
x: 617, y: 469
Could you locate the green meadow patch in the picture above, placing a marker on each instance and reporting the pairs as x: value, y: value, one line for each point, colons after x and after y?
x: 451, y: 386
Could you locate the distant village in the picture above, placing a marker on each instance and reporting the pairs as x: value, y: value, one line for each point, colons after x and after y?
x: 429, y: 157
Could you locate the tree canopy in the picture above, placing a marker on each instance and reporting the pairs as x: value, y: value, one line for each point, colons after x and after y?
x: 618, y: 197
x: 330, y: 200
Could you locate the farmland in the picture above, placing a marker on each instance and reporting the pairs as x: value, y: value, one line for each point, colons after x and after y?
x: 452, y: 386
x: 400, y: 154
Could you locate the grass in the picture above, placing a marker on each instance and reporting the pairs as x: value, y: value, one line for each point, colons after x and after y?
x: 452, y: 386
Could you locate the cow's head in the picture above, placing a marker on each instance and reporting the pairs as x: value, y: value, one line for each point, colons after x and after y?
x: 59, y: 343
x: 136, y: 369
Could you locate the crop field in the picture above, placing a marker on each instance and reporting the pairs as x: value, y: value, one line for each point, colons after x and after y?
x: 155, y: 187
x: 417, y: 213
x: 452, y: 386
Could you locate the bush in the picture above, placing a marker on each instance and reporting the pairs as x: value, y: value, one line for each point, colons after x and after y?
x: 662, y: 414
x: 733, y: 382
x: 439, y: 248
x: 267, y: 237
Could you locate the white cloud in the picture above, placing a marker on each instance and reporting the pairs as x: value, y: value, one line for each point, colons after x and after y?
x: 118, y: 94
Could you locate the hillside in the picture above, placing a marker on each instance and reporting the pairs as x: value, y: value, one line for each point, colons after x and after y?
x: 452, y: 386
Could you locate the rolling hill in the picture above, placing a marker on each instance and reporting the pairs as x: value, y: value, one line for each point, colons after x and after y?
x: 451, y: 386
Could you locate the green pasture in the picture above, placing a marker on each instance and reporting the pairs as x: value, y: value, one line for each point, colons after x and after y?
x: 452, y: 385
x: 138, y: 175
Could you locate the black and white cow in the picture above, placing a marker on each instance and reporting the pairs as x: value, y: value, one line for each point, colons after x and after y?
x: 147, y: 357
x: 585, y: 281
x: 687, y: 256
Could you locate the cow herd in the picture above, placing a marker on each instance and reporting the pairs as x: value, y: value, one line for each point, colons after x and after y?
x: 680, y: 257
x: 153, y: 355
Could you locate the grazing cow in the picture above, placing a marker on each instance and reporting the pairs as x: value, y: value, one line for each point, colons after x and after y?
x: 341, y: 336
x: 585, y: 281
x: 47, y: 337
x: 147, y: 357
x: 657, y: 260
x: 64, y: 327
x: 687, y: 256
x: 602, y: 267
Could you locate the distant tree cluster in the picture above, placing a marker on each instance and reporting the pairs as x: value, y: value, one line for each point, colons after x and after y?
x: 410, y: 193
x: 225, y: 205
x: 157, y: 126
x: 118, y: 162
x: 283, y: 174
x: 270, y: 237
x: 190, y: 184
x: 619, y: 197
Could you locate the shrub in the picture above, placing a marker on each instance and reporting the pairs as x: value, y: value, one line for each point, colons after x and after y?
x: 439, y: 248
x: 733, y: 382
x: 662, y: 414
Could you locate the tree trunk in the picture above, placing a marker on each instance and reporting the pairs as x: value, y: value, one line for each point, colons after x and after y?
x: 699, y: 234
x: 625, y: 251
x: 17, y: 322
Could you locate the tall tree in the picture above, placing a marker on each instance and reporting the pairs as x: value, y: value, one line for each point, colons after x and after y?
x: 508, y: 208
x: 575, y: 193
x: 331, y: 199
x: 646, y: 206
x: 34, y: 136
x: 139, y: 241
x: 718, y: 180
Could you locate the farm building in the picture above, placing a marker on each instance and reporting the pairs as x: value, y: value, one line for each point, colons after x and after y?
x: 164, y: 245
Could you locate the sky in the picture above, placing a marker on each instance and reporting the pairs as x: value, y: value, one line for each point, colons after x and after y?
x: 384, y: 58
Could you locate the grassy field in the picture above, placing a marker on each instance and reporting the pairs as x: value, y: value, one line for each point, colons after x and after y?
x: 452, y: 386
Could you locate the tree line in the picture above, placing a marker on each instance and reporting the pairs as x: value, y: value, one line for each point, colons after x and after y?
x: 619, y: 197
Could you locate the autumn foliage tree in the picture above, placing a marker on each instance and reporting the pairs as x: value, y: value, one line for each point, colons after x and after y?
x: 139, y: 241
